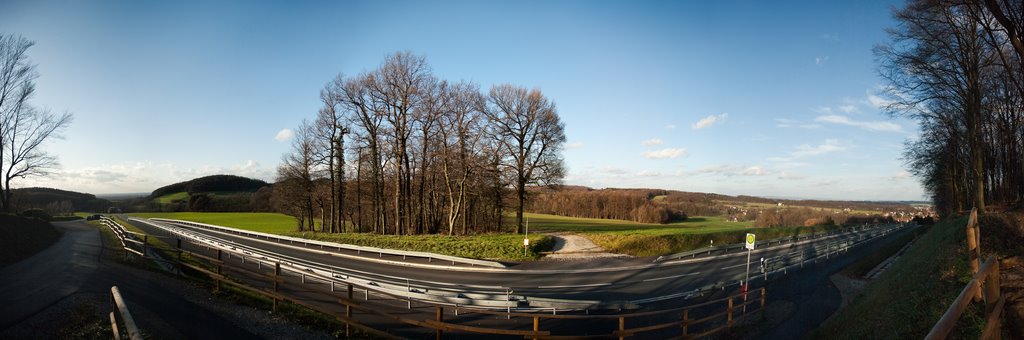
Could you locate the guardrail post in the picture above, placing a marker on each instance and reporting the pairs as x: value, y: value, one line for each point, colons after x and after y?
x: 439, y: 333
x: 622, y: 327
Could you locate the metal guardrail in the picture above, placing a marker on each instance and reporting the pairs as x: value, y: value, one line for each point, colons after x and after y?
x: 497, y: 297
x: 331, y: 245
x: 759, y: 244
x: 119, y: 311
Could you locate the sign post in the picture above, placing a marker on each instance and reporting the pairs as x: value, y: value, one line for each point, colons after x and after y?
x: 749, y: 244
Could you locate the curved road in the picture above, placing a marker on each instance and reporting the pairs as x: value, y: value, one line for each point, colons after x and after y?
x: 603, y: 280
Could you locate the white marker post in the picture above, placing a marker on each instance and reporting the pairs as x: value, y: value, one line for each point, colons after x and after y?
x: 526, y: 237
x: 746, y: 278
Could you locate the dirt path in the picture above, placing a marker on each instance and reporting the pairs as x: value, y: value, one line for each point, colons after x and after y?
x: 572, y: 246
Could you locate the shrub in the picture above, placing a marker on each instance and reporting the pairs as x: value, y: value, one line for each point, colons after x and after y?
x: 37, y: 214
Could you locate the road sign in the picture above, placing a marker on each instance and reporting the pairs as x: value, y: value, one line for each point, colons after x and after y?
x: 750, y: 241
x: 526, y: 242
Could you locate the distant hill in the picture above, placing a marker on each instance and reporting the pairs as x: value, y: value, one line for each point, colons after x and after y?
x: 214, y: 183
x: 210, y: 193
x: 56, y: 199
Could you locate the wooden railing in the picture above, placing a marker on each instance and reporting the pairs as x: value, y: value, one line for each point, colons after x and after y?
x: 269, y: 280
x: 119, y: 311
x: 984, y: 286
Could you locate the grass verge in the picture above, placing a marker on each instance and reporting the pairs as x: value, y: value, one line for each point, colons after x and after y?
x: 487, y: 246
x: 22, y: 237
x: 907, y: 300
x: 867, y: 263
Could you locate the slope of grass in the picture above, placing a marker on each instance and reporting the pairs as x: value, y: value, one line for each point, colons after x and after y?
x: 22, y: 237
x: 911, y: 296
x: 486, y: 246
x: 262, y: 222
x: 171, y: 198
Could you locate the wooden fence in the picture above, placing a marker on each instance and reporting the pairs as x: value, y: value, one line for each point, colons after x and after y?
x: 984, y: 286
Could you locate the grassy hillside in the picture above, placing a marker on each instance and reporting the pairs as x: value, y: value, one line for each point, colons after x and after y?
x: 262, y: 222
x: 913, y: 294
x: 171, y: 198
x: 21, y: 238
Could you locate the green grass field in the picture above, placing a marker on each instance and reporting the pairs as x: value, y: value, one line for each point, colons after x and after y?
x: 262, y: 222
x: 171, y: 198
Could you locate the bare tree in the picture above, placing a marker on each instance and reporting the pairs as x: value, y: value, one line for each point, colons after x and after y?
x: 296, y: 176
x: 531, y: 135
x: 460, y: 126
x: 24, y: 129
x: 331, y: 128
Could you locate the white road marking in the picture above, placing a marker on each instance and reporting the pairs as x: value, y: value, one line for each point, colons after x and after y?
x: 671, y: 277
x: 577, y: 286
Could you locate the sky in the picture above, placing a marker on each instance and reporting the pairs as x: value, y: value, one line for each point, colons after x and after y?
x: 765, y: 98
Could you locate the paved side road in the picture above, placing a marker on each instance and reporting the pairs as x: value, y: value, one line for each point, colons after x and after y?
x: 44, y: 295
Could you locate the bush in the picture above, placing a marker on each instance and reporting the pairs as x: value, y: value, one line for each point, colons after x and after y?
x: 36, y: 214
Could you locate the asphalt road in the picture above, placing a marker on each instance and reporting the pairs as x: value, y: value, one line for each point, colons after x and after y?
x: 73, y: 266
x: 606, y: 280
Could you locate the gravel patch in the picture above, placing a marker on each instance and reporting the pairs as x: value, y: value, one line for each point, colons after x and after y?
x: 571, y: 246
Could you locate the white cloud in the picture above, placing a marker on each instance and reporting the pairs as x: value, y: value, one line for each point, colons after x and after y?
x: 665, y: 153
x: 831, y: 36
x: 670, y: 126
x: 820, y: 60
x: 848, y: 108
x: 651, y: 142
x: 613, y: 170
x: 901, y: 176
x: 647, y: 173
x: 806, y: 150
x: 866, y: 125
x: 878, y: 101
x: 788, y: 123
x: 574, y: 146
x: 791, y: 176
x: 829, y: 146
x: 755, y: 171
x: 708, y: 121
x: 138, y: 177
x: 284, y: 135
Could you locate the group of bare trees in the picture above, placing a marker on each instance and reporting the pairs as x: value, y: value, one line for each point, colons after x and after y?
x: 24, y: 128
x: 956, y: 67
x: 398, y: 151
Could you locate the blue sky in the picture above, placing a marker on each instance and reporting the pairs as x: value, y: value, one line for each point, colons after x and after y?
x: 750, y: 97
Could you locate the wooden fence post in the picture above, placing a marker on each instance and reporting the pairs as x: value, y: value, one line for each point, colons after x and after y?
x: 763, y: 292
x: 536, y: 326
x: 992, y: 296
x: 622, y: 327
x: 277, y: 279
x: 440, y: 318
x: 973, y: 251
x: 728, y: 322
x: 686, y: 323
x: 219, y: 270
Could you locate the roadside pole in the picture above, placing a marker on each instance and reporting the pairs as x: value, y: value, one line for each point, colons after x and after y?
x: 746, y: 277
x: 526, y: 237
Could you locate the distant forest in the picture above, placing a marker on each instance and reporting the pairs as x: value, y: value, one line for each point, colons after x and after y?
x: 665, y: 206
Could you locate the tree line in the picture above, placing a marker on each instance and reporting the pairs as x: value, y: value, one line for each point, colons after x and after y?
x: 397, y: 150
x: 956, y: 66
